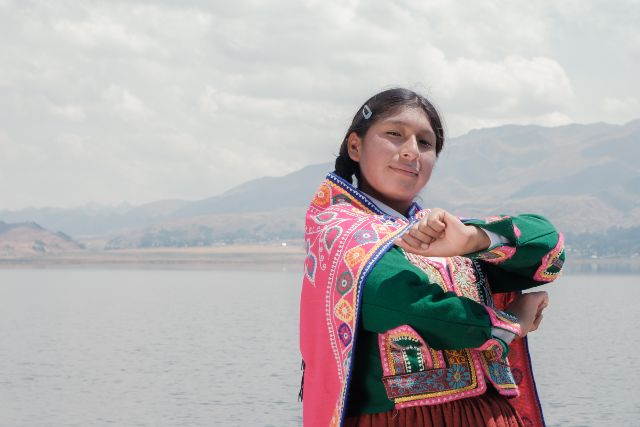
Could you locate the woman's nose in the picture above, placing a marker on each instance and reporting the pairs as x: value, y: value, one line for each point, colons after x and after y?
x: 410, y: 148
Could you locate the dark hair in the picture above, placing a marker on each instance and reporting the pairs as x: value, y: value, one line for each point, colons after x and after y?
x: 380, y: 106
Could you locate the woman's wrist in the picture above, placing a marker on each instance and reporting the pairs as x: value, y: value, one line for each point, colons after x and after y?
x: 479, y: 240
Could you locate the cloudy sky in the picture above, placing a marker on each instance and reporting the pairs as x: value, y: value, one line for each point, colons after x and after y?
x: 107, y: 101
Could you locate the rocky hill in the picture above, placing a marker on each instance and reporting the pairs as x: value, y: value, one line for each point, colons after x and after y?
x: 29, y: 239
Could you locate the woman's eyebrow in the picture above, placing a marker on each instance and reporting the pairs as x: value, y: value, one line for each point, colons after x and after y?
x: 403, y: 123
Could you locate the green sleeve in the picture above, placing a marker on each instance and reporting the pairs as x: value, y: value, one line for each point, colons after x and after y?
x: 533, y: 257
x: 398, y: 293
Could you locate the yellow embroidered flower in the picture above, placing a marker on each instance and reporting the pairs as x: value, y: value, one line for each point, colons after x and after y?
x: 344, y: 311
x: 354, y: 257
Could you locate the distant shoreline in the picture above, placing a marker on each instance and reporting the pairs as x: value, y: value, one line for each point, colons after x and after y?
x: 233, y: 257
x: 217, y: 257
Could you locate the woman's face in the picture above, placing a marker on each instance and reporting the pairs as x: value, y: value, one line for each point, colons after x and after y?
x: 396, y: 157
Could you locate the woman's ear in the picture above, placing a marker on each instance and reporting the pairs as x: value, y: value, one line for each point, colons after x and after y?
x: 354, y: 146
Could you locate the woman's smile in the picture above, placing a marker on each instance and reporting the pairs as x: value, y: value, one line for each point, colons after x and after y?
x: 405, y: 170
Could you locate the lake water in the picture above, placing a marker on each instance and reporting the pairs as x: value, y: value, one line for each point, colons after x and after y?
x: 202, y: 348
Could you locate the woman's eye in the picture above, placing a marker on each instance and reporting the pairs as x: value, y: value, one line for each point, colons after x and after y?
x: 425, y: 143
x: 393, y: 133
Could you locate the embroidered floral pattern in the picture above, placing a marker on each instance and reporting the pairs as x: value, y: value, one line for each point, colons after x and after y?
x: 456, y: 357
x: 551, y: 263
x: 500, y: 373
x: 464, y: 278
x: 496, y: 255
x: 458, y: 376
x: 354, y: 257
x: 461, y: 375
x: 345, y: 234
x: 310, y: 266
x: 365, y: 236
x: 322, y: 196
x: 325, y: 217
x: 415, y: 373
x: 330, y: 236
x: 344, y: 283
x: 344, y: 311
x: 340, y: 198
x: 344, y: 332
x: 432, y: 272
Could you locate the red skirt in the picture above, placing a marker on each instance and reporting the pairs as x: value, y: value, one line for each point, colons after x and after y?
x: 489, y: 409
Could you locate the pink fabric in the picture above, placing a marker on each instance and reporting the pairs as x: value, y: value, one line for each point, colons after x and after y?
x: 344, y: 238
x: 345, y: 235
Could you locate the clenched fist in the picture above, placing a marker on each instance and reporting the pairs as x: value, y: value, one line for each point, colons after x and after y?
x: 442, y: 234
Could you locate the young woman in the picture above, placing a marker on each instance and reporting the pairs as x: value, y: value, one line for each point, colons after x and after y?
x: 411, y: 316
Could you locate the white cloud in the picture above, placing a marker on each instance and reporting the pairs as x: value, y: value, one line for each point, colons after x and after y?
x: 102, y: 30
x: 152, y: 99
x: 626, y: 107
x: 13, y: 153
x: 68, y: 112
x: 125, y: 104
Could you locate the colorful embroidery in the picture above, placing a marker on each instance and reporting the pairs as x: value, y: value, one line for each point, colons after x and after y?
x: 433, y: 386
x: 365, y: 236
x: 503, y: 320
x: 340, y: 198
x: 325, y: 217
x: 497, y: 254
x: 310, y: 267
x: 354, y: 257
x: 344, y: 283
x: 344, y: 311
x: 517, y: 375
x: 413, y: 372
x: 344, y: 332
x: 404, y: 351
x: 455, y: 357
x: 345, y: 235
x: 499, y: 372
x: 464, y: 278
x: 330, y: 236
x: 433, y: 269
x: 458, y: 376
x: 321, y: 198
x: 551, y: 263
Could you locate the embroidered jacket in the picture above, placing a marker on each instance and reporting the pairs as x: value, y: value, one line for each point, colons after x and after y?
x: 346, y: 234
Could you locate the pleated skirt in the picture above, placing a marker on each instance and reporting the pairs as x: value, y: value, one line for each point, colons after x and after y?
x: 489, y: 409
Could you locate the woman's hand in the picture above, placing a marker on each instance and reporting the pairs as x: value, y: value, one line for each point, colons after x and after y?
x: 528, y: 309
x: 443, y: 234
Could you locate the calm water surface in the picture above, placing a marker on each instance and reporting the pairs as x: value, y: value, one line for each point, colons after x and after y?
x: 203, y: 348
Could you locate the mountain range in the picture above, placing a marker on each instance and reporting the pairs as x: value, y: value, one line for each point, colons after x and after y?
x: 585, y: 178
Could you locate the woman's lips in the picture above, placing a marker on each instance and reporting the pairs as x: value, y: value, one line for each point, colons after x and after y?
x: 405, y: 171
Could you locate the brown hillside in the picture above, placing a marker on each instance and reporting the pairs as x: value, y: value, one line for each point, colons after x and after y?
x: 29, y: 239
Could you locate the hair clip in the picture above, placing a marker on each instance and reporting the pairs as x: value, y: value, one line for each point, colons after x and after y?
x: 366, y: 111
